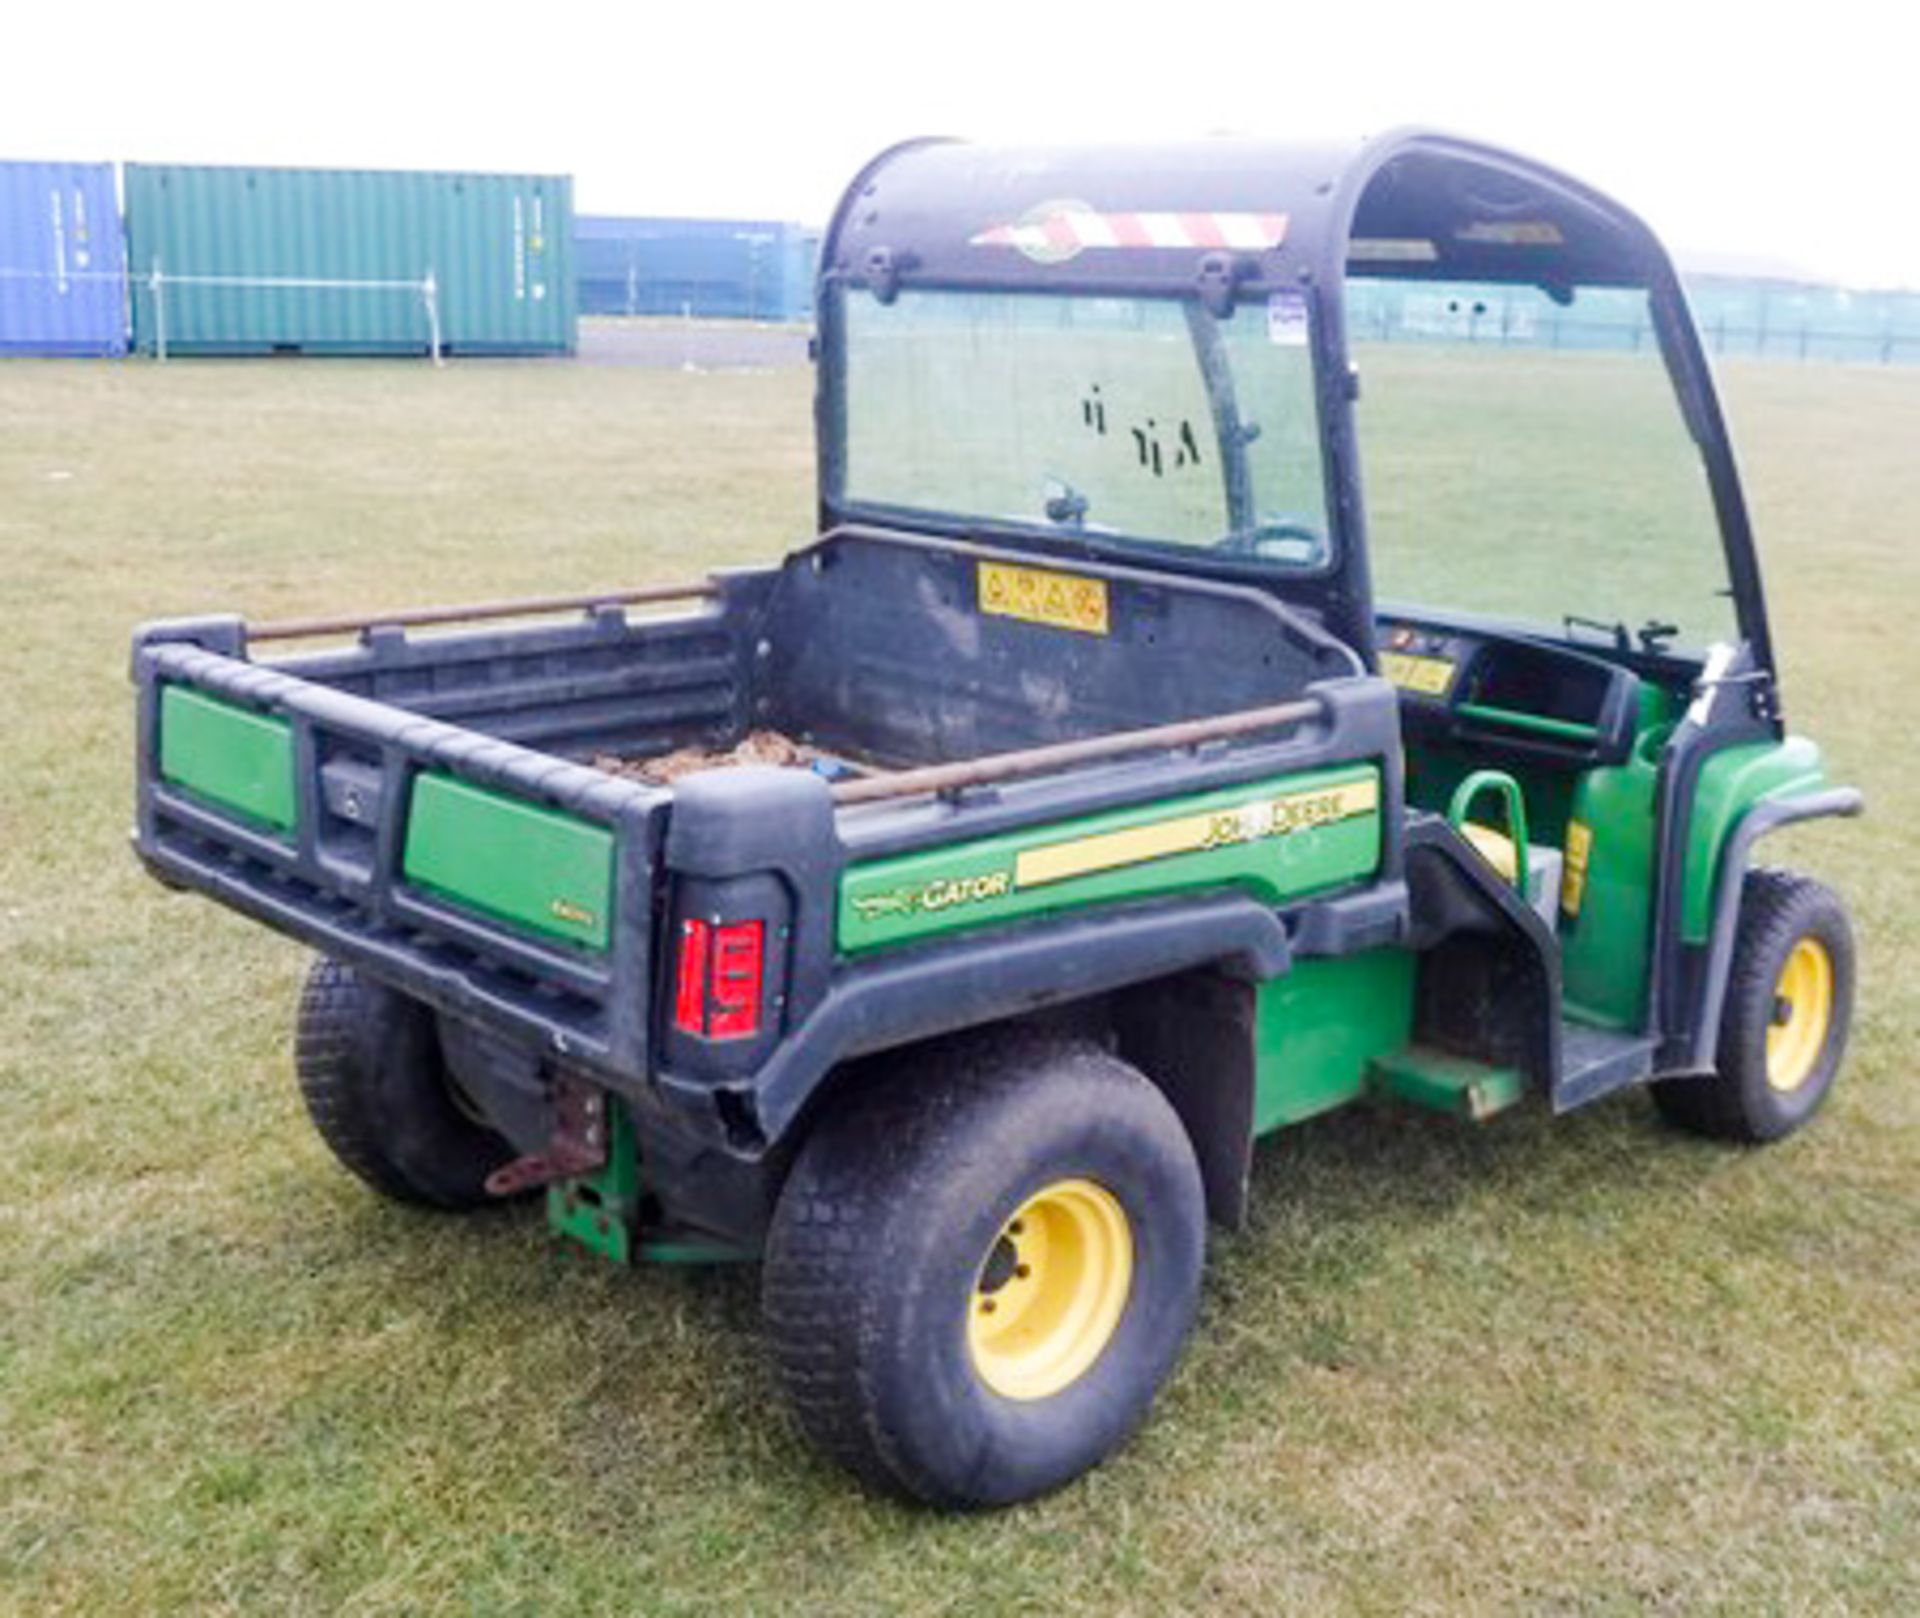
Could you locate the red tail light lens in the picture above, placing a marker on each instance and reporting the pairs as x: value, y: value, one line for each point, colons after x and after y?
x: 739, y: 952
x: 719, y: 978
x: 690, y: 978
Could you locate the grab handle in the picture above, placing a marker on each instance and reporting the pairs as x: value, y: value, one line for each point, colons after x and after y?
x: 1496, y: 781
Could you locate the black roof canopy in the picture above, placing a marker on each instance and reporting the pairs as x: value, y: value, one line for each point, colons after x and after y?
x: 1263, y: 213
x: 1231, y: 218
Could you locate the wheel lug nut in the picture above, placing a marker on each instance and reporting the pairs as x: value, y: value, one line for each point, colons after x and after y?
x: 1023, y: 1270
x: 987, y: 1307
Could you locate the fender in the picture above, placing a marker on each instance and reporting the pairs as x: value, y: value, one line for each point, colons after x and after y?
x: 915, y: 994
x: 1764, y: 817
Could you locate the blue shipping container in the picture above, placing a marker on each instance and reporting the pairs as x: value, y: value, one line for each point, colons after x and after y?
x: 736, y: 269
x: 63, y: 267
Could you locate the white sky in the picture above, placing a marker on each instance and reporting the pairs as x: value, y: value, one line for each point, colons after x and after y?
x: 1789, y: 134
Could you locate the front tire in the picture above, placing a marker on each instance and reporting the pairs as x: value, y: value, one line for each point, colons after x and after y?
x: 1788, y: 1011
x: 982, y: 1267
x: 379, y: 1092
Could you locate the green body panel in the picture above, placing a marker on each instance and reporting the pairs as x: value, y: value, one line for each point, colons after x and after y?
x: 1606, y: 947
x: 601, y: 1210
x: 1434, y: 774
x: 691, y: 1249
x: 233, y: 757
x: 1443, y: 1082
x: 1538, y: 724
x: 499, y: 246
x: 1319, y: 1028
x: 914, y: 896
x: 536, y: 868
x: 1731, y: 783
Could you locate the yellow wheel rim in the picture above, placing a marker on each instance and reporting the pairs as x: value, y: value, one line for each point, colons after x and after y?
x: 1050, y: 1291
x: 1802, y: 1014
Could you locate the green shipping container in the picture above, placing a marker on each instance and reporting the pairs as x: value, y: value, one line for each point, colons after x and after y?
x: 339, y: 261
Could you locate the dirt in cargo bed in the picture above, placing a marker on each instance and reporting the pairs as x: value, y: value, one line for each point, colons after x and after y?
x: 759, y: 747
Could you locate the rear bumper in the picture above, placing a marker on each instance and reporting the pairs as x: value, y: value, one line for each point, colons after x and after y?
x: 334, y: 877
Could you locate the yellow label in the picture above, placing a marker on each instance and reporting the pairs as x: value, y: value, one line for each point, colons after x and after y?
x: 1429, y: 676
x: 1573, y: 879
x: 566, y: 910
x: 1038, y: 595
x: 1189, y: 834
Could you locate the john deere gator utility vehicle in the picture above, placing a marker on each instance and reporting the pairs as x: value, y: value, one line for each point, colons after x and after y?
x: 1157, y: 790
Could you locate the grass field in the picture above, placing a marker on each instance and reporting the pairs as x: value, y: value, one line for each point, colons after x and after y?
x: 1585, y: 1365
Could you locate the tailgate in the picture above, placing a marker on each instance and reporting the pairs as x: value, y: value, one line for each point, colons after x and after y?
x: 487, y: 879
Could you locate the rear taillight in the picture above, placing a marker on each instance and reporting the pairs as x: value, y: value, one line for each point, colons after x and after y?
x: 719, y: 978
x: 739, y: 952
x: 690, y: 977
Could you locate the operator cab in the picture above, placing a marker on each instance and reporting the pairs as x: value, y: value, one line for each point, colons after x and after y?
x: 1191, y: 360
x: 1555, y: 536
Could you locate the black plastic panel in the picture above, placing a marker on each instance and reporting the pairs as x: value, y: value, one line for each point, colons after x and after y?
x: 878, y: 647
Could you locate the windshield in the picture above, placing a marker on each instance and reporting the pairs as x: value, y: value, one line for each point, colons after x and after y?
x: 1527, y: 459
x: 1139, y: 420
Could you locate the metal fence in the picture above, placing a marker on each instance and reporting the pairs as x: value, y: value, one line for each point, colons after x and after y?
x: 734, y: 269
x: 1769, y: 320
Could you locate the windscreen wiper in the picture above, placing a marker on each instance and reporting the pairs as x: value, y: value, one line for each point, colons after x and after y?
x: 1615, y: 632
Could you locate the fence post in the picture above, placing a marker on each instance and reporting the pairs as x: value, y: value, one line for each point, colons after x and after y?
x: 156, y: 283
x: 430, y: 291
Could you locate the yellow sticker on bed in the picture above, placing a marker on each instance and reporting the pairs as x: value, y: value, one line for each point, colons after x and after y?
x: 1038, y: 595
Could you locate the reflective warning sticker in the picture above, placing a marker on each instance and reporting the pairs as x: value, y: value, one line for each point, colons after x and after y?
x: 1039, y: 595
x: 1428, y: 676
x: 1053, y: 232
x: 1573, y: 878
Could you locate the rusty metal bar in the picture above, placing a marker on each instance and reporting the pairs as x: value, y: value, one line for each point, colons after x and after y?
x: 524, y: 607
x: 1060, y: 755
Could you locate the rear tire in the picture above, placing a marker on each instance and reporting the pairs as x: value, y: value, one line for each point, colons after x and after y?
x: 983, y: 1266
x: 1788, y: 1011
x: 378, y: 1091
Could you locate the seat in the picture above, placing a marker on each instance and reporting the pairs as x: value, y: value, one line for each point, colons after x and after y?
x: 1501, y: 850
x: 1543, y: 866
